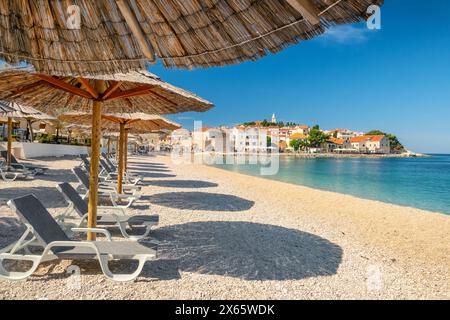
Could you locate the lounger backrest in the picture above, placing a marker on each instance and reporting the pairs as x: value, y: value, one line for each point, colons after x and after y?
x: 110, y: 163
x: 85, y: 160
x: 72, y: 196
x: 31, y: 211
x: 81, y: 176
x: 105, y: 166
x: 5, y: 155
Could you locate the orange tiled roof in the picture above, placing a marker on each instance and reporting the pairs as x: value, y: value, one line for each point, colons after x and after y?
x: 336, y: 141
x: 299, y: 136
x: 203, y: 129
x: 367, y: 138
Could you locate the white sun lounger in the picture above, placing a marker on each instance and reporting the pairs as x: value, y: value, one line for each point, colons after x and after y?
x: 43, y: 231
x: 119, y: 219
x: 106, y: 191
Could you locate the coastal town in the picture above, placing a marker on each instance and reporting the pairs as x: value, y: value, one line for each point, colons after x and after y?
x: 275, y: 136
x: 251, y: 137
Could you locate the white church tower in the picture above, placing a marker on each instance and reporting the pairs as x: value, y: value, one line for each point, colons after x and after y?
x: 274, y: 119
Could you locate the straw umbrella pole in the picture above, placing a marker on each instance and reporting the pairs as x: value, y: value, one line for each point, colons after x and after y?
x: 100, y: 88
x: 108, y: 146
x: 8, y: 158
x: 121, y: 157
x: 125, y: 154
x: 7, y: 110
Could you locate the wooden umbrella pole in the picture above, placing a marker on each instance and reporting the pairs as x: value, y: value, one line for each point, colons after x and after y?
x: 121, y: 158
x: 125, y: 155
x: 100, y: 87
x: 117, y: 149
x: 8, y: 158
x: 108, y: 150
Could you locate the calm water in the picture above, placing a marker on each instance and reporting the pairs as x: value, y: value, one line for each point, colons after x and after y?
x: 417, y: 182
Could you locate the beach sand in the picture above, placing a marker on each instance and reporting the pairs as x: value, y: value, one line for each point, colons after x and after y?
x: 229, y: 236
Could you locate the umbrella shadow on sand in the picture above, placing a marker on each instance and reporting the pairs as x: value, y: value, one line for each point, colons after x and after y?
x: 188, y: 184
x: 50, y: 197
x: 147, y: 174
x: 200, y: 201
x: 245, y: 250
x: 147, y: 169
x: 147, y: 164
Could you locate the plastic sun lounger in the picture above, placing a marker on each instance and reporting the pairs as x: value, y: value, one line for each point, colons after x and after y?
x: 109, y: 174
x: 11, y: 175
x: 85, y: 162
x: 114, y: 168
x: 120, y: 220
x: 47, y: 234
x: 109, y: 192
x: 35, y: 170
x: 112, y: 184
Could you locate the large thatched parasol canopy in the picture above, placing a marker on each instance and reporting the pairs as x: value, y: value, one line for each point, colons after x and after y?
x: 20, y: 111
x: 121, y: 35
x: 136, y: 122
x: 136, y: 91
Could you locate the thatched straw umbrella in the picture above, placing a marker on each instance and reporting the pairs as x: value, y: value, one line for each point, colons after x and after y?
x: 31, y: 115
x: 131, y: 92
x: 13, y: 110
x: 124, y: 122
x: 122, y: 35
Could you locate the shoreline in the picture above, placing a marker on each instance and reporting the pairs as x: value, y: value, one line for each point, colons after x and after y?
x: 316, y: 155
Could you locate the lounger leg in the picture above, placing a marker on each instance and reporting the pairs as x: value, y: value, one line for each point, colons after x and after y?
x: 104, y: 260
x: 135, y: 237
x: 14, y: 275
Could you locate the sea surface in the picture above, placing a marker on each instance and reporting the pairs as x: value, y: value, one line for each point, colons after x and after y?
x: 422, y: 183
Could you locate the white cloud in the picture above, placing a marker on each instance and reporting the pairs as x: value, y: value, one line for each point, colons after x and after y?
x: 346, y: 34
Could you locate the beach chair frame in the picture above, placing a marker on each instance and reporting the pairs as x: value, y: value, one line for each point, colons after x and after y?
x: 122, y: 224
x: 12, y: 253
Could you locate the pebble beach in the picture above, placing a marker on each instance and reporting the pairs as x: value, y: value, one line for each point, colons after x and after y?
x: 224, y: 235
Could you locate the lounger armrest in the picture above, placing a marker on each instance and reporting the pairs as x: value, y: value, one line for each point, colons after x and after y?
x: 119, y: 209
x: 93, y: 230
x: 18, y: 165
x: 4, y: 175
x: 65, y: 244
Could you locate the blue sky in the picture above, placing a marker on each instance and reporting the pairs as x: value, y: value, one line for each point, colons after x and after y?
x: 395, y: 79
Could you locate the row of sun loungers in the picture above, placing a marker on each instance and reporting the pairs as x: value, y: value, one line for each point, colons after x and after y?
x: 17, y: 170
x: 55, y: 236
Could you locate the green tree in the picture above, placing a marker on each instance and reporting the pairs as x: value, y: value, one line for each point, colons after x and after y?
x: 396, y: 145
x: 317, y: 137
x: 269, y: 141
x: 299, y: 144
x: 295, y: 144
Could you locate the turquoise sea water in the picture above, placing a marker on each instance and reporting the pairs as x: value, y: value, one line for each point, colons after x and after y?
x: 416, y: 182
